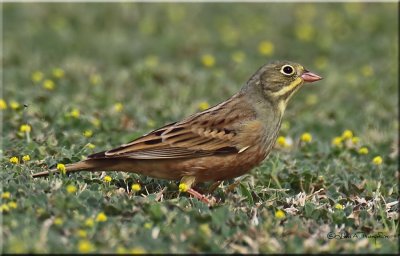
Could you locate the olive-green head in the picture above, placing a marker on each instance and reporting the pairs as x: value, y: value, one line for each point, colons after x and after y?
x: 278, y: 81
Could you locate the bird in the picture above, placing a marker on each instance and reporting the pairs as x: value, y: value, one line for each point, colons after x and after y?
x: 222, y: 142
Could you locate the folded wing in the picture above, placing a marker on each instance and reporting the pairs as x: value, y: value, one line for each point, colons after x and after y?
x: 210, y: 132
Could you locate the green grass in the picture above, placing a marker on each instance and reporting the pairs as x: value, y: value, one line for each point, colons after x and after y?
x: 148, y: 58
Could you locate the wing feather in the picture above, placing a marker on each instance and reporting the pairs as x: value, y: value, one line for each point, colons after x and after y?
x: 210, y: 132
x: 166, y: 153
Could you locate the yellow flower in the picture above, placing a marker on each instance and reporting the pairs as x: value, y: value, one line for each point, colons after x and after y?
x: 14, y: 160
x: 238, y: 56
x: 339, y: 206
x: 3, y: 104
x: 107, y: 178
x: 82, y: 233
x: 305, y: 32
x: 6, y: 195
x: 121, y: 250
x: 355, y: 140
x: 26, y: 158
x: 306, y: 137
x: 281, y: 141
x: 101, y: 217
x: 88, y: 133
x: 266, y: 48
x: 363, y: 151
x: 58, y: 73
x: 306, y: 13
x: 205, y: 229
x: 40, y: 211
x: 58, y: 221
x: 136, y: 187
x: 118, y: 107
x: 367, y: 71
x: 377, y: 160
x: 353, y: 8
x: 137, y: 250
x: 75, y: 113
x: 347, y: 134
x: 151, y: 123
x: 48, y: 84
x: 208, y: 60
x: 89, y: 222
x: 25, y: 128
x: 95, y: 121
x: 321, y: 62
x: 285, y: 126
x: 377, y: 245
x: 61, y: 168
x: 148, y: 225
x: 337, y: 141
x: 183, y: 187
x: 151, y: 61
x: 37, y: 76
x: 71, y: 189
x: 14, y: 105
x: 4, y: 208
x: 95, y: 79
x: 351, y: 78
x: 85, y: 246
x: 90, y: 145
x: 311, y: 99
x: 12, y: 205
x: 203, y: 105
x: 279, y: 214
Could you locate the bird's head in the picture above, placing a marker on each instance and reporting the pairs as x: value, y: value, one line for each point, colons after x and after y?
x: 278, y: 81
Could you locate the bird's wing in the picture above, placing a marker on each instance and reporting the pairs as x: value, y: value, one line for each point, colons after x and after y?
x: 210, y: 132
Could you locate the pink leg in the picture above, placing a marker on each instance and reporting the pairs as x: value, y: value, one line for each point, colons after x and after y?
x: 201, y: 197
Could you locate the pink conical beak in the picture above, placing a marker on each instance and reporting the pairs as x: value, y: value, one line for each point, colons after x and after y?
x: 310, y: 77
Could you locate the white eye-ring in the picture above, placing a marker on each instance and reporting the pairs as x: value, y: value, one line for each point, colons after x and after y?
x: 287, y: 70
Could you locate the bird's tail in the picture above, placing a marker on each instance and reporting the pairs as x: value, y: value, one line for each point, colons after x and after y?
x: 86, y: 165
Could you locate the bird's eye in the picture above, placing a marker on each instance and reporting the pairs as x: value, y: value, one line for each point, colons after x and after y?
x: 287, y: 70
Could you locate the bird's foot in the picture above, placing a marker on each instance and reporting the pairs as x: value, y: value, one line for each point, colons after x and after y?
x: 232, y: 186
x: 214, y: 186
x: 210, y: 200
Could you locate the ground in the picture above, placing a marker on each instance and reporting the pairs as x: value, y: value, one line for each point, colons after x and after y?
x: 80, y: 78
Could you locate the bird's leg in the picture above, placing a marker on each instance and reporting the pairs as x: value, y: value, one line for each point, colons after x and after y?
x: 199, y: 196
x: 186, y: 186
x: 214, y: 186
x: 232, y: 186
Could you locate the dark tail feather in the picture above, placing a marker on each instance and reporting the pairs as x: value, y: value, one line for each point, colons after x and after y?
x: 75, y: 167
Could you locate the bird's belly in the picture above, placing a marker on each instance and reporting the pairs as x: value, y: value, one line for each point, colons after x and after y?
x: 210, y: 168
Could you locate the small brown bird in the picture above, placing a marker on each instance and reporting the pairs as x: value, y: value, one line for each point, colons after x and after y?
x: 219, y: 143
